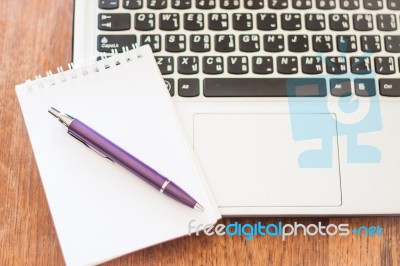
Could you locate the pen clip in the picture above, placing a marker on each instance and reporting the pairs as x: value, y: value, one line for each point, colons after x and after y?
x: 89, y: 146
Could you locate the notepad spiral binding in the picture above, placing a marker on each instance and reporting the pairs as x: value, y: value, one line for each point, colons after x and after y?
x: 74, y: 71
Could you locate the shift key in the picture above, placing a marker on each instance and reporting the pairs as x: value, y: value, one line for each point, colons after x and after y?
x: 389, y: 87
x: 106, y: 43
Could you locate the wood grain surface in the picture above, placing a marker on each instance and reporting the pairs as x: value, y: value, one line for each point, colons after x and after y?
x: 35, y: 36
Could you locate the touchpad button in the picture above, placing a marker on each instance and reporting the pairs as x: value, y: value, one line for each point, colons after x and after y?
x: 256, y: 160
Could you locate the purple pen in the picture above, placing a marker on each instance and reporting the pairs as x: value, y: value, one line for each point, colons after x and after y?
x: 109, y: 150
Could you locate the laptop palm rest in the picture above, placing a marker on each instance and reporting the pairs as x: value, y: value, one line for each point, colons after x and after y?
x: 259, y: 160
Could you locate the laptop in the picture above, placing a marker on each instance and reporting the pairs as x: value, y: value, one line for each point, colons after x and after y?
x: 292, y: 106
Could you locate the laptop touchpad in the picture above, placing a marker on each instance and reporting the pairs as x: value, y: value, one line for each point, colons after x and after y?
x: 269, y: 159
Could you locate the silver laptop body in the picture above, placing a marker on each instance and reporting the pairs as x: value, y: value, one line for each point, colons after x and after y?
x: 292, y: 106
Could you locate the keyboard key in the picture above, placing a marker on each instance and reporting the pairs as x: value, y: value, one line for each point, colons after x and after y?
x: 264, y: 87
x: 154, y: 40
x: 389, y: 87
x: 170, y: 84
x: 386, y: 22
x: 238, y: 64
x: 298, y: 43
x: 218, y: 21
x: 326, y: 4
x: 365, y: 87
x: 242, y: 21
x: 229, y: 4
x: 373, y: 4
x: 340, y: 87
x: 370, y: 43
x: 193, y: 21
x: 254, y: 4
x: 277, y: 4
x: 108, y: 4
x: 169, y: 21
x: 311, y: 64
x: 392, y: 43
x: 336, y: 65
x: 165, y: 64
x: 249, y: 43
x: 213, y: 64
x: 263, y: 65
x: 322, y: 43
x: 132, y: 4
x: 346, y: 43
x: 188, y: 87
x: 205, y: 4
x: 360, y: 65
x: 144, y: 21
x: 114, y: 21
x: 287, y: 64
x: 393, y: 4
x: 315, y: 21
x: 106, y: 43
x: 349, y: 4
x: 339, y: 22
x: 274, y: 43
x: 175, y: 43
x: 301, y: 4
x: 188, y: 65
x: 385, y: 65
x: 266, y: 21
x: 157, y: 4
x: 225, y: 43
x: 291, y: 21
x: 200, y: 43
x: 181, y: 4
x: 363, y: 22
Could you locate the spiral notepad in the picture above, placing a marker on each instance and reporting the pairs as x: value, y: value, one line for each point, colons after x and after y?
x: 100, y: 210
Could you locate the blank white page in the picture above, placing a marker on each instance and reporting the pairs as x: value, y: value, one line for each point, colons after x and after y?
x: 100, y: 210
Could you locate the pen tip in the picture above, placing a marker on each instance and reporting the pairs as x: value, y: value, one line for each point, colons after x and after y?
x: 198, y: 207
x: 54, y: 112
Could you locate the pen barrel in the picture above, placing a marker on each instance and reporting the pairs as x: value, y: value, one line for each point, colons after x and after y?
x: 108, y: 149
x: 116, y: 154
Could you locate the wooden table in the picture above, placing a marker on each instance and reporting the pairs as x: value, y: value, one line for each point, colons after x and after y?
x: 35, y: 37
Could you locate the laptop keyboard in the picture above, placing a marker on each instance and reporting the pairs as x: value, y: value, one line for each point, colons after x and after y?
x: 255, y: 48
